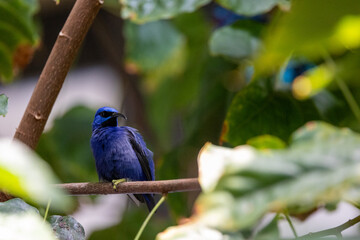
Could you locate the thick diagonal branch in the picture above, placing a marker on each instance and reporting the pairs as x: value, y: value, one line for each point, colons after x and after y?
x: 56, y: 68
x: 164, y: 186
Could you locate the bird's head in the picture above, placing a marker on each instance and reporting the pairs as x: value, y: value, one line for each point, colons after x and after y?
x: 106, y: 117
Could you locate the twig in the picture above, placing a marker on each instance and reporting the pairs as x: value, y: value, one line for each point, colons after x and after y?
x: 55, y: 70
x: 164, y: 186
x: 336, y: 231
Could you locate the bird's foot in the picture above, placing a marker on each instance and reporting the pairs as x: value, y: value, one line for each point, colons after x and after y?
x: 115, y: 182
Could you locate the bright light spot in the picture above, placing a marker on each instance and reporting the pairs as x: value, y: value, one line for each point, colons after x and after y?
x: 347, y: 32
x: 301, y: 87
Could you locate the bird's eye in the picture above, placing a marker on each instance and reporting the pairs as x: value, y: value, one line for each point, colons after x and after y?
x: 105, y: 114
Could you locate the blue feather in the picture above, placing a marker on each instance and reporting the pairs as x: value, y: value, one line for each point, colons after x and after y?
x: 120, y: 152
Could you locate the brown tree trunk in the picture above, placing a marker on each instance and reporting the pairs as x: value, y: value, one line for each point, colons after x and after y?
x: 56, y: 68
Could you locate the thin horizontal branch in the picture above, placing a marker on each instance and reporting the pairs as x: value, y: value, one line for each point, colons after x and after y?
x: 331, y: 231
x: 160, y: 187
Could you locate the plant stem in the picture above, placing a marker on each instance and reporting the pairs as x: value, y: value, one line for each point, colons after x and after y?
x: 343, y: 87
x: 138, y: 235
x: 291, y: 224
x: 47, y: 209
x: 55, y: 70
x: 349, y: 98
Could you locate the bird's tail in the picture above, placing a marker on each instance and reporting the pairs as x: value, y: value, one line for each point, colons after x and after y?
x: 148, y: 199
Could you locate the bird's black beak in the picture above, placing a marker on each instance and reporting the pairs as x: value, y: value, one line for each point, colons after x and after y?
x: 115, y: 114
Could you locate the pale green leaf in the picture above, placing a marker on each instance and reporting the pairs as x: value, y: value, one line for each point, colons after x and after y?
x: 237, y: 41
x: 141, y: 11
x: 26, y: 175
x: 16, y: 205
x: 249, y: 8
x: 240, y: 185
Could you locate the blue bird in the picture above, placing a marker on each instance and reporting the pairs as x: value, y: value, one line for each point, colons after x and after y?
x: 120, y: 152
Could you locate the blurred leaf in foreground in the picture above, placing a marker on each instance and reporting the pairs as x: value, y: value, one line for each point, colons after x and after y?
x: 3, y: 104
x: 240, y: 185
x: 26, y: 175
x: 141, y: 11
x: 19, y: 221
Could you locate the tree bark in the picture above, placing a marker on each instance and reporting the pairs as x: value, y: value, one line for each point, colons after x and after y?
x: 56, y: 68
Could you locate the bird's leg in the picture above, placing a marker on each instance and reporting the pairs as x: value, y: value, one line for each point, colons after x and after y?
x: 115, y: 182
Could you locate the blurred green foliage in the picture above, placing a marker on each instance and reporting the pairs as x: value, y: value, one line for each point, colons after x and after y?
x: 69, y: 154
x: 205, y: 78
x: 18, y: 35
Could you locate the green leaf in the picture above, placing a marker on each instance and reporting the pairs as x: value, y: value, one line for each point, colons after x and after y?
x: 141, y: 11
x: 249, y: 8
x: 238, y: 41
x: 18, y: 35
x: 66, y: 227
x: 3, y: 104
x: 240, y: 185
x: 17, y: 205
x: 156, y: 49
x: 334, y: 32
x: 26, y: 175
x: 258, y: 110
x: 70, y: 155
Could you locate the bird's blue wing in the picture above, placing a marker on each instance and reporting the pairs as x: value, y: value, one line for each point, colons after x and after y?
x: 143, y: 154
